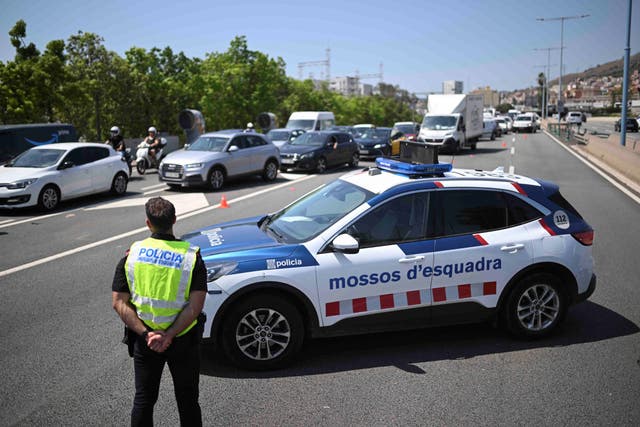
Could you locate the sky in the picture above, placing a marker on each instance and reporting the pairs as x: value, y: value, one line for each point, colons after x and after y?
x: 420, y: 43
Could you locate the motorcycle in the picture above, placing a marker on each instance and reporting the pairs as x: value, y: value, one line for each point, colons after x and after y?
x: 126, y: 156
x: 144, y: 160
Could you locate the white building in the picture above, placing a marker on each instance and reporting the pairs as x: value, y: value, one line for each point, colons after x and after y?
x: 452, y: 87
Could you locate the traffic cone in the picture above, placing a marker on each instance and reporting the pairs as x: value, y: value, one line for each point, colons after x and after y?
x: 223, y: 202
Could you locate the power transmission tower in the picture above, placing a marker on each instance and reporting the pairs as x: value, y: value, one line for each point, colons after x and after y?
x: 326, y: 63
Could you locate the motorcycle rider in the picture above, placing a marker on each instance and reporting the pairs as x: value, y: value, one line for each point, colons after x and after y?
x: 116, y: 140
x: 154, y: 143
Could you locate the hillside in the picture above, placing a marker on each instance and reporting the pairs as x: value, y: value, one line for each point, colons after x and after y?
x: 613, y: 69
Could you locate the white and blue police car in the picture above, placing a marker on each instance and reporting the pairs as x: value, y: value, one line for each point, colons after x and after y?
x: 395, y: 246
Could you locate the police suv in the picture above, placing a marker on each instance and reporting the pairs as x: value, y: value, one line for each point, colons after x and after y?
x: 395, y: 246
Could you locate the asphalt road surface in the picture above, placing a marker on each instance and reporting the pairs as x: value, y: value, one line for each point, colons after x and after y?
x: 61, y: 362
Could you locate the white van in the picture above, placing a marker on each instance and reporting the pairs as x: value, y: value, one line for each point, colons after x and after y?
x: 311, y: 120
x: 574, y: 117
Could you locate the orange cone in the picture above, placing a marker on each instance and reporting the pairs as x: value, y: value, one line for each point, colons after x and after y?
x: 223, y: 202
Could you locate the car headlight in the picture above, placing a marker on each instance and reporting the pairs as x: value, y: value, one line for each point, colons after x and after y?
x: 192, y: 166
x: 378, y: 146
x: 306, y: 156
x: 216, y: 271
x: 23, y: 183
x: 449, y: 135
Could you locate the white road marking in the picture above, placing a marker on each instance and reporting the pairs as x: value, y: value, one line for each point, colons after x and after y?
x: 138, y: 230
x: 513, y: 150
x: 591, y: 165
x: 154, y: 186
x: 512, y: 170
x: 5, y: 221
x: 183, y: 202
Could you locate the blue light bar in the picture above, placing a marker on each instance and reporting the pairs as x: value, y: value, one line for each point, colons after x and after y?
x: 412, y: 168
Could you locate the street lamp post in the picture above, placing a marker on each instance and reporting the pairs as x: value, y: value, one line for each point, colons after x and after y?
x: 546, y: 103
x: 561, y: 19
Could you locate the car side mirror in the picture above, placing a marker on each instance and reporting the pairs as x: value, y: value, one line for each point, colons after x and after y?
x: 233, y: 149
x: 345, y: 243
x: 66, y: 165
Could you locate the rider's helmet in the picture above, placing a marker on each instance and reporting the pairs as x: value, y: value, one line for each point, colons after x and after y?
x: 152, y: 130
x: 249, y: 127
x: 115, y: 130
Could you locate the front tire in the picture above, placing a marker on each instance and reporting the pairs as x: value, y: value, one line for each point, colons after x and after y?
x: 119, y: 184
x: 49, y: 198
x: 262, y: 332
x: 270, y: 171
x: 535, y: 306
x: 321, y: 165
x: 216, y: 179
x: 141, y: 166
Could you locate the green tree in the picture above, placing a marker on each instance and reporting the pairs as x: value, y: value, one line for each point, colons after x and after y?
x: 239, y: 84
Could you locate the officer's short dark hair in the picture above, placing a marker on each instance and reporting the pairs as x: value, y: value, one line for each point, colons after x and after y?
x: 161, y: 213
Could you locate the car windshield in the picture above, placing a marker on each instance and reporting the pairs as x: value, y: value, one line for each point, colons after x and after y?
x: 381, y: 133
x: 279, y: 135
x: 310, y: 139
x: 209, y: 143
x: 42, y: 158
x: 315, y: 212
x: 301, y: 124
x: 406, y: 129
x: 523, y: 119
x: 439, y: 122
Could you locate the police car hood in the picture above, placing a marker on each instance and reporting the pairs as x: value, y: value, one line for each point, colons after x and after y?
x: 232, y: 237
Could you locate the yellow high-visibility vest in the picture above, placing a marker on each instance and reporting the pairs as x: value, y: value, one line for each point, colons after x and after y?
x: 159, y: 276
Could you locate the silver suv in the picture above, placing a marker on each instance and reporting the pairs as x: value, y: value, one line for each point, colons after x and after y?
x: 217, y: 156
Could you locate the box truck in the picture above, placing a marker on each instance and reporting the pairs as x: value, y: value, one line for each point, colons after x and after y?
x: 452, y: 122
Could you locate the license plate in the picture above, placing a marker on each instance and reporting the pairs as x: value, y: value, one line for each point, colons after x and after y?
x: 364, y: 151
x: 172, y: 174
x: 286, y: 161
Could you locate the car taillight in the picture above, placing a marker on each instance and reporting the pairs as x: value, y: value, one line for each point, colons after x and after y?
x: 584, y: 237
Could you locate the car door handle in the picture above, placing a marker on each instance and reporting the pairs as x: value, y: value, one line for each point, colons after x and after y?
x: 411, y: 259
x: 512, y: 248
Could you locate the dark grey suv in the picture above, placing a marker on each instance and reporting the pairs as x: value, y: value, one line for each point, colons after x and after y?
x: 318, y: 150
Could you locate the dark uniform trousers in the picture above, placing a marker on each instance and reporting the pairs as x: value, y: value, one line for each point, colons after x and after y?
x: 183, y: 358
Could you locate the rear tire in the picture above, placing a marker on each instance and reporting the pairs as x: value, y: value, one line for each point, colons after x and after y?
x: 535, y: 306
x: 355, y: 159
x: 262, y: 332
x: 141, y: 166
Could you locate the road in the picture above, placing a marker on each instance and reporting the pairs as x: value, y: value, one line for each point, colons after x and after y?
x: 62, y: 364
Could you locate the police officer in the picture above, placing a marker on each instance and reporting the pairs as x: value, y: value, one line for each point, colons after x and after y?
x: 159, y: 289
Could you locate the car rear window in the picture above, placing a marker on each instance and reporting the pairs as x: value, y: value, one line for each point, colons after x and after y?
x: 563, y: 203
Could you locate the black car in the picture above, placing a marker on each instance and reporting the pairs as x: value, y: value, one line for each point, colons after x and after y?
x: 374, y: 142
x: 632, y: 125
x: 318, y: 150
x: 341, y: 128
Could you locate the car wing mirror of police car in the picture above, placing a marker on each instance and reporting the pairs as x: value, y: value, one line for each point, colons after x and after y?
x: 233, y: 148
x: 345, y: 243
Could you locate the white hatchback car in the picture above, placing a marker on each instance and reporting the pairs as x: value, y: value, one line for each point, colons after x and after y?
x: 396, y: 246
x: 47, y: 174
